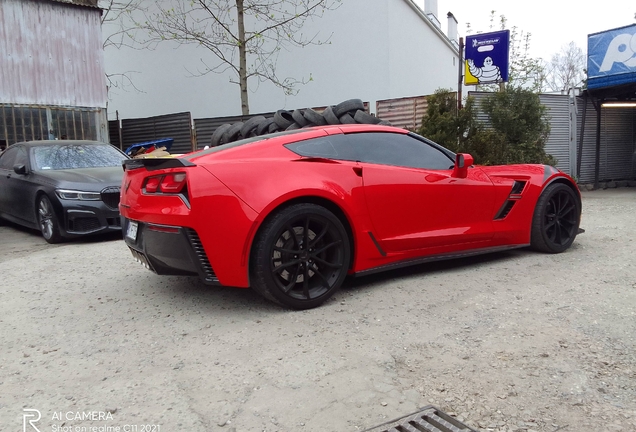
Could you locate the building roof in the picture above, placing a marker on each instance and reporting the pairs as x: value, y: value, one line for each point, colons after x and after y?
x: 432, y: 25
x: 87, y: 3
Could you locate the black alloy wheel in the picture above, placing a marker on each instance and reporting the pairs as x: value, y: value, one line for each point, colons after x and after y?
x: 301, y: 256
x: 47, y: 221
x: 556, y: 219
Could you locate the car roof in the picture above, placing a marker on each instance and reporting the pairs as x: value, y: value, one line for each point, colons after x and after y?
x: 285, y: 137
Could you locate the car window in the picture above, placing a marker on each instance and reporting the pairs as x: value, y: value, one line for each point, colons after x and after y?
x: 378, y: 148
x: 399, y: 150
x: 7, y: 158
x: 330, y: 147
x: 22, y: 157
x: 70, y: 156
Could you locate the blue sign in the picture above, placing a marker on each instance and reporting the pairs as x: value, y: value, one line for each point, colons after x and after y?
x: 611, y: 57
x: 487, y: 58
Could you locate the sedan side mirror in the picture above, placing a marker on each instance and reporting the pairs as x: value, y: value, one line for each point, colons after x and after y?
x: 462, y: 162
x: 20, y: 169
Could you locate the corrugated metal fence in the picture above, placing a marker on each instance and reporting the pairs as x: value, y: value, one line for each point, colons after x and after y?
x: 52, y: 54
x: 188, y: 135
x: 617, y: 158
x: 176, y: 126
x: 617, y: 129
x: 406, y: 112
x: 114, y: 133
x: 562, y: 136
x: 205, y: 127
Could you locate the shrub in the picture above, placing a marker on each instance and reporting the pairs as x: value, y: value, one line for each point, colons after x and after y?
x: 516, y: 133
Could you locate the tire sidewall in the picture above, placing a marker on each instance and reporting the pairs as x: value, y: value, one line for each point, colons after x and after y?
x: 540, y: 238
x: 55, y: 236
x: 264, y: 246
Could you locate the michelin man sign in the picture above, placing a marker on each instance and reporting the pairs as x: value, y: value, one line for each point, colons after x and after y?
x: 611, y: 57
x: 487, y: 58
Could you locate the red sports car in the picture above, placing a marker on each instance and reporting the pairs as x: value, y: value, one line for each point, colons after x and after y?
x: 292, y: 214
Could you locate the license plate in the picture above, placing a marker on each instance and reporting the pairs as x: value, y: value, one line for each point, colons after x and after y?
x: 131, y: 232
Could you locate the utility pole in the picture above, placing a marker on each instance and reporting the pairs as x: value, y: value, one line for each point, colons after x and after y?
x: 460, y: 74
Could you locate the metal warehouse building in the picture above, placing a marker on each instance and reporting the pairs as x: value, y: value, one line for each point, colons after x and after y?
x: 606, y: 147
x: 52, y: 81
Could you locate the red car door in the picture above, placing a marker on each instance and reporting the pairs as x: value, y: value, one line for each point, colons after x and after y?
x: 421, y: 208
x: 412, y: 197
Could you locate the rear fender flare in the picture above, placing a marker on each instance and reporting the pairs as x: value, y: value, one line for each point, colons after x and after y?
x: 320, y: 197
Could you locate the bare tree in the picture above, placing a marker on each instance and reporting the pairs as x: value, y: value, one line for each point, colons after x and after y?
x: 566, y: 69
x: 244, y: 36
x: 118, y: 28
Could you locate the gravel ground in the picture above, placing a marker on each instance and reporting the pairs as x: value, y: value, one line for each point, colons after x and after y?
x: 516, y: 341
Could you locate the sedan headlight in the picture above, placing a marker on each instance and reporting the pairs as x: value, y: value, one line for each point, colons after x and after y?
x: 66, y: 194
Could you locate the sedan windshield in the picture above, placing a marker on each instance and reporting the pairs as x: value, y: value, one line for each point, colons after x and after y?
x: 70, y: 156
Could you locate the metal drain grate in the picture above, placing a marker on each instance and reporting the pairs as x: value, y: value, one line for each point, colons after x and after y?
x: 428, y: 419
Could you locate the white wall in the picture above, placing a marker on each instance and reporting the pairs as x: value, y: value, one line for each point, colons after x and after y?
x: 420, y: 62
x: 379, y: 49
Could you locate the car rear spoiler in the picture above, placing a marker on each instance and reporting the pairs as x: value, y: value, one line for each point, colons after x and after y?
x: 152, y: 164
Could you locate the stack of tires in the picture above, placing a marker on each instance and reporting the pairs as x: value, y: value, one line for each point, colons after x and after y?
x: 348, y: 112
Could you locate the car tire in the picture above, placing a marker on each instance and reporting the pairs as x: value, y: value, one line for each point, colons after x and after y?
x: 299, y: 118
x: 300, y: 256
x: 283, y: 119
x: 556, y: 218
x: 364, y: 118
x: 273, y: 127
x: 234, y: 133
x: 263, y: 126
x: 331, y: 118
x: 346, y: 119
x: 314, y: 118
x: 351, y: 105
x: 250, y: 125
x: 218, y: 134
x: 47, y: 220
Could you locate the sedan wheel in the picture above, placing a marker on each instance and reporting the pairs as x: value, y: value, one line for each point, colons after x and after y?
x: 301, y: 256
x: 556, y: 219
x: 47, y: 220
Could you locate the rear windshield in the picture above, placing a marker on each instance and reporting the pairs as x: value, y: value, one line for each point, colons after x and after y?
x: 64, y: 156
x: 240, y: 143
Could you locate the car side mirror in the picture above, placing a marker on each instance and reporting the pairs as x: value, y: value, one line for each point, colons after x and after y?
x: 20, y: 169
x: 462, y: 162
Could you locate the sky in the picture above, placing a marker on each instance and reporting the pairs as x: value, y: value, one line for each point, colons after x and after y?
x: 552, y: 23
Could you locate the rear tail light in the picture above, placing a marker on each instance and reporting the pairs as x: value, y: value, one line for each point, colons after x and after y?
x: 171, y: 183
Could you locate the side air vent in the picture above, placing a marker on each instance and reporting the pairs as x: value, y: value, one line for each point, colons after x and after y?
x: 210, y: 276
x: 517, y: 187
x: 505, y: 209
x: 515, y: 195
